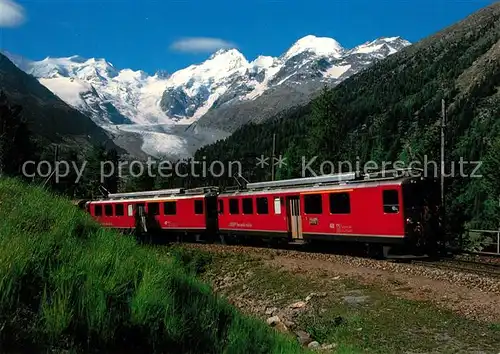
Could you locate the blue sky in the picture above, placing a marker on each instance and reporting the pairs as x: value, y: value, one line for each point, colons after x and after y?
x: 145, y: 34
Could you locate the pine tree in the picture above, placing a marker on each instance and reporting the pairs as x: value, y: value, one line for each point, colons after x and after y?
x: 325, y: 135
x: 293, y: 162
x: 16, y: 146
x: 490, y: 186
x: 99, y: 163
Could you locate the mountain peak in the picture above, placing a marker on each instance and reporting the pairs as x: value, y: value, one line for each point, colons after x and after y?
x: 227, y: 52
x: 318, y: 45
x: 95, y: 61
x: 77, y: 59
x: 390, y: 39
x: 392, y: 44
x: 162, y: 74
x: 263, y: 61
x: 19, y: 61
x: 228, y: 59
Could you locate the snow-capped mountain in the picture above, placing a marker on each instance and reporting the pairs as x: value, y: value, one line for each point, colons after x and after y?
x: 226, y: 79
x: 94, y: 86
x: 293, y: 79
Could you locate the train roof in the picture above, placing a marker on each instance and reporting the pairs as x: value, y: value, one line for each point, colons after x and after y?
x: 149, y: 200
x: 327, y: 182
x: 297, y: 185
x: 177, y: 193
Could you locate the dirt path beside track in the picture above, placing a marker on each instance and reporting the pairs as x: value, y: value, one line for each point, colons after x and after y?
x: 470, y: 295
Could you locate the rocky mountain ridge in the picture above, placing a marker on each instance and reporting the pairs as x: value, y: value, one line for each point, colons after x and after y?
x: 222, y: 93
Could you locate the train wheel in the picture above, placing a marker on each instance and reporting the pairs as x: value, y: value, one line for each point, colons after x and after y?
x: 377, y: 251
x: 209, y: 238
x: 432, y: 250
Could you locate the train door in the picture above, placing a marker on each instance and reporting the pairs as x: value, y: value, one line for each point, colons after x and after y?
x: 211, y: 214
x: 422, y: 213
x: 140, y: 217
x: 294, y: 219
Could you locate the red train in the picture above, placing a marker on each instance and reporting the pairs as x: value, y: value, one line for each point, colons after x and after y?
x: 391, y: 208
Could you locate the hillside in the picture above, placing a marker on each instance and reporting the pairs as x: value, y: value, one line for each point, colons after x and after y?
x: 67, y: 285
x: 47, y: 115
x: 391, y: 112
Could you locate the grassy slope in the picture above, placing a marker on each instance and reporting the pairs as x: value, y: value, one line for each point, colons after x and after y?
x: 66, y: 283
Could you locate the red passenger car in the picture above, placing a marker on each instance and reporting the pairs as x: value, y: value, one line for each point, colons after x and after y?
x: 346, y: 207
x: 174, y: 210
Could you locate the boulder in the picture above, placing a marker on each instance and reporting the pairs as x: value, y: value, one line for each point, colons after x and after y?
x: 303, y: 337
x: 273, y: 321
x: 271, y: 311
x: 298, y: 305
x: 313, y: 345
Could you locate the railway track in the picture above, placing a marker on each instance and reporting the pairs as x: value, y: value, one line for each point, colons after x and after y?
x: 482, y: 266
x: 464, y: 266
x: 477, y: 273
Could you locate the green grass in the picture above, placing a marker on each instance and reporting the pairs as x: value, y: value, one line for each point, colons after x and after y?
x: 383, y: 323
x: 66, y: 283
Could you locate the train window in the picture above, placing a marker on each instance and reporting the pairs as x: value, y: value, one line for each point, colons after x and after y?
x: 262, y: 205
x: 97, y: 210
x: 391, y: 201
x: 108, y: 209
x: 221, y: 206
x: 198, y: 206
x: 234, y: 207
x: 247, y: 206
x: 130, y: 210
x: 340, y: 203
x: 154, y: 208
x: 277, y: 205
x: 120, y: 210
x: 313, y: 204
x: 169, y: 208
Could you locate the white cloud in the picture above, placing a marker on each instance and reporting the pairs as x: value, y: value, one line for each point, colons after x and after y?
x: 11, y: 14
x: 200, y: 45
